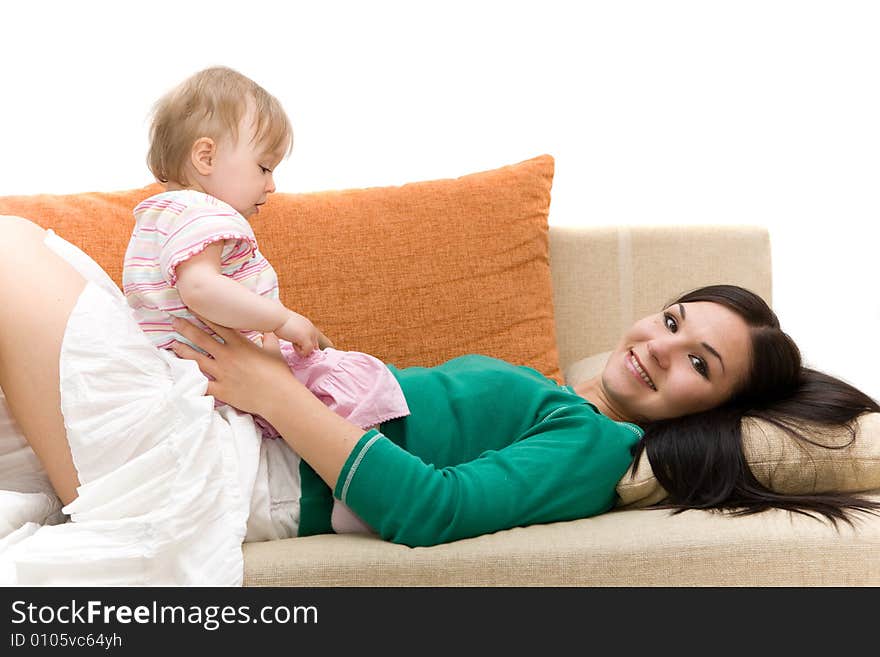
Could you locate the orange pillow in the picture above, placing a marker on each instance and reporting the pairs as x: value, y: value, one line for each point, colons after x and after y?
x: 99, y: 223
x: 415, y: 274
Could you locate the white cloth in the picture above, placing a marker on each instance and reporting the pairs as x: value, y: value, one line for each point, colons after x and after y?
x: 166, y: 481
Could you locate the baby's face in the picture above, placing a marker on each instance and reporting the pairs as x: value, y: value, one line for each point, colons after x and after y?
x: 242, y: 169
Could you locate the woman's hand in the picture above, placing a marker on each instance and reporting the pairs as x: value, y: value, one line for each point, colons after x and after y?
x: 240, y: 373
x: 258, y: 380
x: 324, y: 341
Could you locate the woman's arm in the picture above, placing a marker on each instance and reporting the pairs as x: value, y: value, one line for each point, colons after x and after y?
x: 258, y: 380
x: 567, y: 470
x: 222, y: 300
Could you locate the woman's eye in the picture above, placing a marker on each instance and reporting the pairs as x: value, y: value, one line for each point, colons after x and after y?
x: 700, y: 365
x: 265, y: 170
x: 670, y: 322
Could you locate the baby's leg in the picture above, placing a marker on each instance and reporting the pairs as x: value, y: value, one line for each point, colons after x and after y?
x: 38, y: 291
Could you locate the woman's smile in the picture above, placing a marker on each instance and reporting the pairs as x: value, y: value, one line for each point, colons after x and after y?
x: 638, y: 370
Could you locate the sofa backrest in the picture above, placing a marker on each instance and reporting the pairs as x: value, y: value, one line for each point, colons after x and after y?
x: 606, y: 277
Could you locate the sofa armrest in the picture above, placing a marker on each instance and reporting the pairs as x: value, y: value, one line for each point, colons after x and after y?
x: 604, y: 278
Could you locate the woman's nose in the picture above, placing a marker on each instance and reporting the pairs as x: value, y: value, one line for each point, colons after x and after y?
x: 658, y: 350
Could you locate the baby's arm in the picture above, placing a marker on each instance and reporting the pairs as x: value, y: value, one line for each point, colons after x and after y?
x: 222, y: 300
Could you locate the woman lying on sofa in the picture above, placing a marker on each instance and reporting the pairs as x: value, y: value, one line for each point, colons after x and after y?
x: 162, y: 486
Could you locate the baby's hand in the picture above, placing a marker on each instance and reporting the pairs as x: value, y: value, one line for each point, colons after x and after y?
x: 300, y: 332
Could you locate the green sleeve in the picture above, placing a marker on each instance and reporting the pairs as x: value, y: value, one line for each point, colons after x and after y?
x: 567, y: 468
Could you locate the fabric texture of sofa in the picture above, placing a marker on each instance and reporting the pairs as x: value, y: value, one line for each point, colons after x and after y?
x: 422, y: 272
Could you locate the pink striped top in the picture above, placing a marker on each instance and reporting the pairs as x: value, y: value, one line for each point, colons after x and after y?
x: 172, y: 227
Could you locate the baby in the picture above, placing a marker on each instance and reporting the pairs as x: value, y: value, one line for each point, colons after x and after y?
x: 215, y: 141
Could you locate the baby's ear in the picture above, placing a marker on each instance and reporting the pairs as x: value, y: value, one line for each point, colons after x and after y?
x: 202, y: 155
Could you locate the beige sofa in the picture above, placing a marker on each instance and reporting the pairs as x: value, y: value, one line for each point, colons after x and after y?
x: 603, y: 278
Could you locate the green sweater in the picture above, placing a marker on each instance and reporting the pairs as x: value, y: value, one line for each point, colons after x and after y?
x: 487, y: 446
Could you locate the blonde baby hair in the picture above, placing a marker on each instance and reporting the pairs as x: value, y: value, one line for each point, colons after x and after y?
x: 211, y: 103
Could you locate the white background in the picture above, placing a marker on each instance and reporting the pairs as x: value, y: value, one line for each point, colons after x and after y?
x: 660, y: 112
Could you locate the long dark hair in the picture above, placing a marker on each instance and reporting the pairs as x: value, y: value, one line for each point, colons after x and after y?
x: 699, y: 459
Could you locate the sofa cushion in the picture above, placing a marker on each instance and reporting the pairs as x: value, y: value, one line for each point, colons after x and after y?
x: 414, y: 274
x: 625, y: 547
x: 780, y: 462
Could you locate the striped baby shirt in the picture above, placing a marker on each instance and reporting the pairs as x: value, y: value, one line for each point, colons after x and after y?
x: 169, y: 229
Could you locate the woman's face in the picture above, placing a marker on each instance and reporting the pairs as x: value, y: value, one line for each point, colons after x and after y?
x: 687, y: 358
